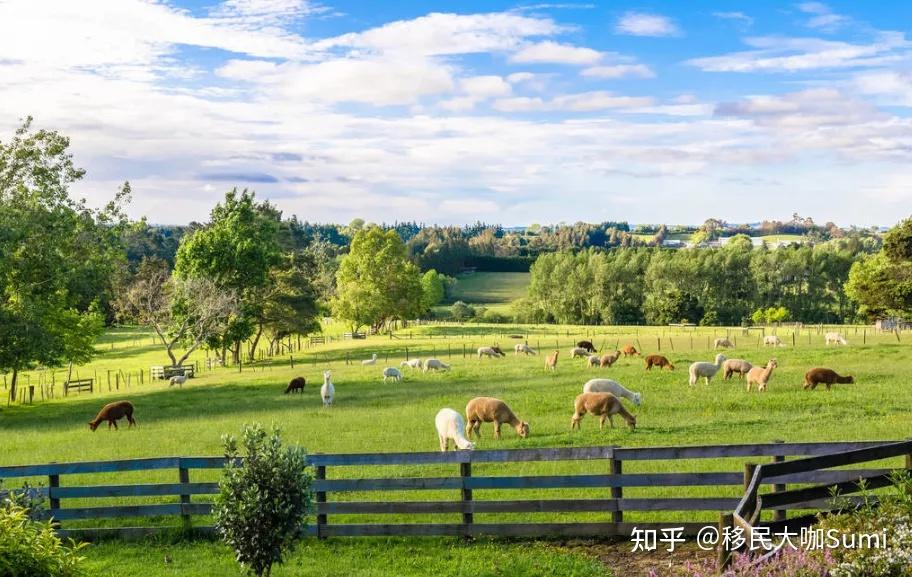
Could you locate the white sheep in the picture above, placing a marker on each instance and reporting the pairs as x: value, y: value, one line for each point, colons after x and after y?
x: 593, y: 361
x: 451, y: 425
x: 578, y: 352
x: 705, y: 370
x: 722, y: 343
x: 412, y: 364
x: 493, y: 352
x: 772, y: 341
x: 327, y: 391
x: 392, y: 373
x: 524, y: 349
x: 613, y: 387
x: 178, y: 380
x: 370, y: 361
x: 435, y: 365
x: 836, y: 339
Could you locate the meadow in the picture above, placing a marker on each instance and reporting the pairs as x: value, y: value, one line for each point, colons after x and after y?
x: 372, y: 416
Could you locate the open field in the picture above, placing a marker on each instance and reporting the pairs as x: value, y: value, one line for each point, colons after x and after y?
x: 372, y: 416
x: 493, y: 290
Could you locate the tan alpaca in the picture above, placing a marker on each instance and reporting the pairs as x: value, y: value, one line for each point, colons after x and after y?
x: 551, y: 361
x: 490, y: 410
x: 605, y: 405
x: 761, y: 376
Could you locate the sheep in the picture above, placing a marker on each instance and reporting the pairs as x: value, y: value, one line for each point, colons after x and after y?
x: 613, y: 387
x: 370, y: 361
x: 630, y: 351
x: 605, y: 405
x: 826, y: 376
x: 524, y: 349
x: 493, y: 352
x: 435, y: 365
x: 551, y: 361
x: 578, y: 352
x: 761, y: 376
x: 296, y: 384
x: 593, y: 361
x: 658, y: 361
x: 705, y: 370
x: 490, y: 410
x: 609, y: 359
x: 414, y: 364
x: 587, y: 345
x: 772, y: 341
x: 835, y: 338
x: 111, y: 413
x: 327, y: 391
x: 722, y: 343
x: 392, y: 373
x: 732, y: 366
x: 178, y: 380
x: 450, y: 425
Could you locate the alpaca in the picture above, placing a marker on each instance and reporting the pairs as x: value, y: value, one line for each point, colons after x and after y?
x: 772, y: 341
x: 524, y: 349
x: 413, y: 364
x: 370, y: 361
x: 490, y: 410
x: 613, y: 387
x: 112, y: 412
x: 492, y: 352
x: 296, y: 384
x: 828, y: 377
x: 578, y: 352
x: 178, y: 380
x: 327, y: 391
x: 732, y: 366
x: 450, y: 425
x: 722, y: 343
x: 705, y: 370
x: 605, y: 405
x: 609, y: 359
x: 551, y: 361
x: 630, y: 351
x: 435, y: 365
x: 658, y: 361
x: 835, y: 338
x: 761, y: 376
x: 593, y: 361
x: 392, y: 373
x: 587, y: 345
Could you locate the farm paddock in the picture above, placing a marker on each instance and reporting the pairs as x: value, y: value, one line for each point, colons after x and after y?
x: 370, y: 415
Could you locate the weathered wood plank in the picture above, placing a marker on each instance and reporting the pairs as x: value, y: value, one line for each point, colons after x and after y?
x: 825, y: 476
x: 525, y: 506
x: 68, y: 514
x: 455, y: 457
x: 837, y: 460
x: 742, y: 450
x: 771, y: 500
x: 129, y: 533
x: 89, y: 467
x: 504, y: 529
x: 146, y: 490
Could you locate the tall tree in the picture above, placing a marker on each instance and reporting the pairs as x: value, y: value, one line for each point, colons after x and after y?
x: 882, y: 283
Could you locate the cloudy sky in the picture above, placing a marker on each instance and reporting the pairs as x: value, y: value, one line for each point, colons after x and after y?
x: 452, y: 112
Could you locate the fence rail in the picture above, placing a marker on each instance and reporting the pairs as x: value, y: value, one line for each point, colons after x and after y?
x: 71, y: 504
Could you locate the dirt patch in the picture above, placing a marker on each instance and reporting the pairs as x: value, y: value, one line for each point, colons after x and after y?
x: 618, y: 557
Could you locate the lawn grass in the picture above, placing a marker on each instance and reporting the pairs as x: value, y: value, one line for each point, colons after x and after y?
x: 372, y: 416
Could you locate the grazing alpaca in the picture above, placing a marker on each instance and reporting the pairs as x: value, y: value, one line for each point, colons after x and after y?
x: 392, y: 373
x: 178, y: 380
x: 828, y: 377
x: 658, y: 361
x: 296, y: 384
x: 605, y: 405
x: 613, y: 387
x: 761, y: 376
x: 435, y: 365
x: 524, y: 349
x: 732, y: 366
x: 112, y: 412
x: 593, y: 361
x: 705, y: 370
x: 630, y: 351
x: 835, y: 338
x: 551, y: 361
x: 772, y: 341
x: 327, y: 391
x: 450, y: 425
x: 490, y: 410
x: 414, y: 364
x: 493, y: 352
x: 578, y: 352
x: 370, y: 361
x: 587, y: 345
x: 722, y: 343
x: 609, y: 359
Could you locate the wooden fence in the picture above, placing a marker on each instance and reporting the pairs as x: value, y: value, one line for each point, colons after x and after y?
x: 588, y: 503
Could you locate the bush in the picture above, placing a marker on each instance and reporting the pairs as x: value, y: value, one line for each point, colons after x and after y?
x: 495, y: 317
x: 461, y: 312
x: 263, y: 499
x: 31, y: 548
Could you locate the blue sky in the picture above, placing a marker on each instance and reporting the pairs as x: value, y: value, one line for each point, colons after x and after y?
x: 452, y: 112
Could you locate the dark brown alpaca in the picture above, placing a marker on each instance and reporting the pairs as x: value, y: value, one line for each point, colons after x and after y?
x: 827, y: 377
x: 630, y: 351
x: 658, y: 361
x: 587, y: 345
x: 112, y: 412
x: 296, y: 384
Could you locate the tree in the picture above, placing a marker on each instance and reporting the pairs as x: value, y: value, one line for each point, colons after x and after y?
x: 433, y: 289
x: 882, y: 283
x: 376, y: 283
x: 461, y: 312
x: 57, y: 256
x: 289, y: 302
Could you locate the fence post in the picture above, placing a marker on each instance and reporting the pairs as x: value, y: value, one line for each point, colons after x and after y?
x: 465, y: 471
x: 320, y: 475
x: 723, y: 555
x: 53, y: 483
x: 617, y: 493
x: 183, y: 475
x: 780, y: 514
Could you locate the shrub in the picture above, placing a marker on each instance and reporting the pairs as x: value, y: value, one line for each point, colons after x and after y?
x: 263, y: 499
x: 460, y: 311
x: 495, y: 317
x: 31, y: 548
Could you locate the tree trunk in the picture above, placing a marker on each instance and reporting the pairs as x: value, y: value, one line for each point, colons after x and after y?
x: 236, y: 353
x: 256, y: 341
x: 13, y: 384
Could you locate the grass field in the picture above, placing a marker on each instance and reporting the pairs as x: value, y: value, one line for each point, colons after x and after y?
x: 372, y: 416
x: 492, y: 290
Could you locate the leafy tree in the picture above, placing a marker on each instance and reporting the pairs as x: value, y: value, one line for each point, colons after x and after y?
x: 433, y: 289
x: 882, y: 283
x: 376, y: 283
x: 263, y: 499
x: 289, y: 301
x: 460, y: 311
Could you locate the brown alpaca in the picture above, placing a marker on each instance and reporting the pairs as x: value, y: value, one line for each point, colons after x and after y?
x: 296, y: 384
x: 605, y: 405
x: 490, y: 410
x: 587, y: 345
x: 630, y: 351
x: 112, y: 412
x: 551, y: 360
x: 609, y: 359
x: 828, y: 377
x: 658, y: 361
x: 761, y: 376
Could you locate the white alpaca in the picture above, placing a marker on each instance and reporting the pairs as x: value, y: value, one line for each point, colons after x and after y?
x: 524, y: 349
x: 451, y: 425
x: 435, y: 365
x: 327, y: 391
x: 370, y: 361
x: 706, y: 370
x: 392, y: 373
x: 578, y: 352
x: 593, y: 361
x: 836, y: 339
x: 412, y: 364
x: 772, y: 341
x: 492, y: 352
x: 613, y: 387
x: 178, y: 380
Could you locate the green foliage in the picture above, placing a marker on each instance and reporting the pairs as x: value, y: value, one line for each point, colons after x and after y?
x: 770, y: 315
x: 263, y: 499
x: 882, y: 283
x: 433, y: 288
x: 376, y: 283
x: 29, y: 548
x: 461, y: 312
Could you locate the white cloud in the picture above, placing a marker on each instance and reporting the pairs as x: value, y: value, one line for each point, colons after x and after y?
x: 644, y: 24
x: 739, y: 17
x: 619, y: 71
x: 580, y: 102
x: 822, y: 17
x: 894, y: 88
x: 485, y: 86
x: 549, y: 52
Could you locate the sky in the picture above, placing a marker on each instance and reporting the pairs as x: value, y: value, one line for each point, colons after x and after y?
x: 453, y: 112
